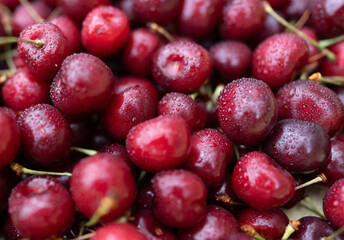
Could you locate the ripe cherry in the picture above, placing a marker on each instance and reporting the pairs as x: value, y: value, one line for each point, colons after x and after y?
x: 336, y: 68
x: 118, y: 231
x: 333, y: 203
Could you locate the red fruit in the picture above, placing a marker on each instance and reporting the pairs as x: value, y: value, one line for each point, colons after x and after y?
x: 277, y: 59
x: 334, y: 68
x: 104, y: 31
x: 159, y: 143
x: 260, y: 182
x: 333, y: 203
x: 118, y: 231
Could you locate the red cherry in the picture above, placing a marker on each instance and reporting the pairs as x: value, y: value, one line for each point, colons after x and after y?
x: 333, y: 203
x: 118, y: 231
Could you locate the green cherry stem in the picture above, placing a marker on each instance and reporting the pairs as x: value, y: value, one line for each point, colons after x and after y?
x: 329, y: 42
x: 19, y: 169
x: 334, y: 80
x: 86, y: 151
x: 249, y: 230
x: 313, y: 208
x: 7, y: 40
x: 320, y: 178
x: 338, y: 232
x: 290, y: 229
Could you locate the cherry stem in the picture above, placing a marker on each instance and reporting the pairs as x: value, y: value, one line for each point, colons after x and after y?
x: 313, y: 208
x: 320, y: 178
x: 268, y: 9
x: 9, y: 59
x: 249, y: 230
x: 303, y: 19
x: 7, y: 40
x: 291, y: 228
x: 334, y: 80
x: 5, y: 75
x: 226, y: 199
x: 331, y: 41
x: 160, y: 30
x: 6, y: 16
x: 19, y: 169
x: 236, y: 151
x: 86, y: 151
x: 338, y: 232
x: 106, y: 204
x: 33, y: 13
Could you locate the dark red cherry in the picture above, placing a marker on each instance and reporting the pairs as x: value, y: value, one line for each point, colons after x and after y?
x: 299, y: 194
x: 46, y: 135
x: 44, y: 61
x: 182, y: 105
x: 312, y: 102
x: 179, y: 198
x: 104, y: 31
x: 242, y: 19
x: 159, y: 11
x: 217, y: 223
x: 10, y: 232
x: 102, y: 176
x: 271, y: 26
x: 333, y: 203
x: 181, y: 66
x: 237, y: 236
x: 293, y: 9
x: 199, y: 18
x: 11, y: 4
x: 297, y: 145
x: 21, y: 17
x: 118, y: 231
x: 139, y: 50
x: 334, y: 68
x: 277, y: 59
x: 10, y: 139
x: 247, y: 110
x: 24, y: 90
x: 127, y: 109
x: 159, y: 143
x: 277, y: 3
x: 260, y: 182
x: 313, y: 51
x: 231, y: 59
x: 40, y: 207
x: 145, y: 194
x: 270, y: 224
x: 8, y: 180
x: 211, y: 153
x: 82, y: 86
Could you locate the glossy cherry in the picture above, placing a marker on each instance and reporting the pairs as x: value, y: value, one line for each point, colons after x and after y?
x: 334, y: 68
x: 118, y: 231
x: 333, y: 203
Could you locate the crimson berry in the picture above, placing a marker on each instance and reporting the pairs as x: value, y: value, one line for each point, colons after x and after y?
x: 181, y: 66
x: 40, y: 207
x: 334, y: 68
x: 118, y: 231
x: 105, y: 30
x: 333, y: 203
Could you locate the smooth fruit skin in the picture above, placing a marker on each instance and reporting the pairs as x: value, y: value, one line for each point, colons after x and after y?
x: 40, y: 207
x: 99, y: 176
x: 277, y: 59
x: 104, y: 31
x: 247, y: 110
x: 159, y: 143
x: 333, y: 203
x: 179, y: 198
x: 118, y: 231
x: 312, y: 102
x: 260, y: 182
x: 334, y: 68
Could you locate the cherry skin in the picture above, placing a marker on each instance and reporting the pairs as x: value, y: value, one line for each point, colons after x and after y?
x: 312, y: 102
x: 43, y: 61
x: 333, y: 203
x: 93, y: 179
x: 46, y: 135
x: 179, y: 198
x: 159, y: 143
x: 82, y: 86
x: 24, y: 90
x: 118, y: 231
x: 10, y: 232
x: 271, y: 27
x: 260, y: 182
x: 247, y: 110
x: 293, y: 9
x: 277, y: 59
x: 336, y: 68
x: 40, y: 207
x: 181, y: 66
x: 298, y: 194
x: 8, y: 180
x: 104, y: 31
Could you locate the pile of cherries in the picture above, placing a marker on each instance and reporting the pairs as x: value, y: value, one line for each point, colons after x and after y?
x: 170, y: 119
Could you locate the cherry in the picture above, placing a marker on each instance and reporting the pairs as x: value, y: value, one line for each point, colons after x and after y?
x: 104, y: 31
x: 118, y: 231
x: 179, y: 198
x: 309, y: 101
x: 237, y: 236
x: 24, y: 90
x: 43, y: 60
x: 270, y: 224
x: 159, y: 11
x: 95, y: 187
x: 159, y: 143
x: 181, y: 66
x: 78, y: 9
x: 40, y: 207
x: 277, y: 59
x: 211, y: 153
x: 299, y: 194
x: 10, y: 232
x: 297, y: 145
x: 333, y: 203
x: 198, y: 18
x: 8, y: 180
x: 10, y: 139
x: 293, y: 9
x: 271, y: 27
x: 46, y: 135
x: 182, y: 105
x: 139, y: 50
x: 276, y: 3
x: 336, y: 68
x: 231, y: 59
x: 21, y: 17
x: 127, y: 6
x: 247, y: 110
x: 242, y: 19
x: 260, y: 182
x: 145, y: 194
x: 127, y: 109
x: 11, y: 4
x: 217, y: 223
x: 82, y: 86
x: 313, y: 51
